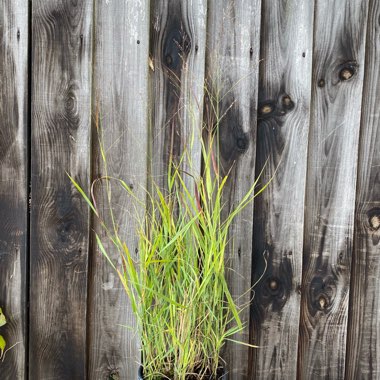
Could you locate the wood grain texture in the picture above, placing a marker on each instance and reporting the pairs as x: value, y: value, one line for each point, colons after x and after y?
x: 61, y: 100
x: 121, y: 99
x: 177, y: 52
x: 363, y: 341
x: 282, y: 137
x: 13, y: 182
x: 338, y: 68
x: 233, y: 46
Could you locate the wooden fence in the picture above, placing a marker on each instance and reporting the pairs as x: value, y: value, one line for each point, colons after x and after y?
x: 300, y: 88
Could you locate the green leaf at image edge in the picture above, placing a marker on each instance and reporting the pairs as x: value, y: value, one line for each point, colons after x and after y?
x: 3, y: 321
x: 2, y: 345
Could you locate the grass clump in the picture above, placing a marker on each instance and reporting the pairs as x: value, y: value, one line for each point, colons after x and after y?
x: 176, y: 282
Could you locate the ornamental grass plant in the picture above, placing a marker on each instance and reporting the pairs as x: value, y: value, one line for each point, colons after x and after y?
x: 176, y: 283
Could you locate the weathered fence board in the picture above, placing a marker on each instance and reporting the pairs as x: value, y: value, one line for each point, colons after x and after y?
x: 232, y: 72
x: 61, y: 97
x: 120, y: 111
x: 282, y: 136
x: 363, y: 356
x: 178, y: 40
x: 13, y: 182
x: 338, y: 68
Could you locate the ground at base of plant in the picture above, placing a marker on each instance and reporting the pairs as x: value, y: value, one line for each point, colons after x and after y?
x: 221, y: 375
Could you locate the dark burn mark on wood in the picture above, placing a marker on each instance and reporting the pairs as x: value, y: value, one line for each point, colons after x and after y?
x: 242, y: 143
x: 70, y: 115
x: 177, y: 45
x: 233, y: 140
x: 275, y: 107
x: 275, y: 288
x: 170, y: 44
x: 67, y: 231
x: 64, y: 227
x: 60, y: 21
x: 322, y: 291
x: 321, y: 83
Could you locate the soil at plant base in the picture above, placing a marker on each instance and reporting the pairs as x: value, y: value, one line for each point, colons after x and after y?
x: 220, y: 376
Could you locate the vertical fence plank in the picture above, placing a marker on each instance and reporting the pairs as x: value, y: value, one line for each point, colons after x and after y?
x: 121, y: 103
x: 13, y: 181
x: 338, y: 61
x: 61, y: 97
x: 233, y: 46
x: 282, y: 139
x: 363, y: 357
x: 178, y: 38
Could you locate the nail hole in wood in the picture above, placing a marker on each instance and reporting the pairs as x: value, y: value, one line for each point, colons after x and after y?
x: 251, y: 51
x: 18, y: 34
x: 196, y: 47
x: 321, y: 83
x: 303, y: 54
x: 138, y: 42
